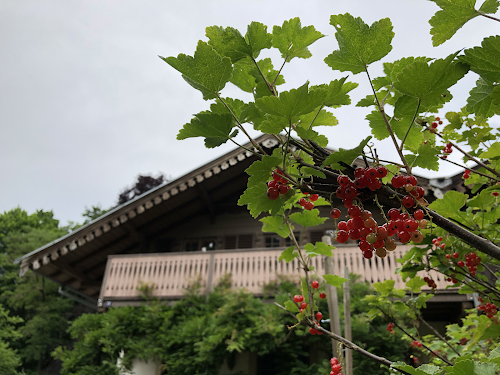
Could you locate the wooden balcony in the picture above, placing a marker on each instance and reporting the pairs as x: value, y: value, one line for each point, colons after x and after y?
x: 169, y: 274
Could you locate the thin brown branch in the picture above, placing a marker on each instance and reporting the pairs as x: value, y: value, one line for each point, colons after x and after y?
x: 352, y: 346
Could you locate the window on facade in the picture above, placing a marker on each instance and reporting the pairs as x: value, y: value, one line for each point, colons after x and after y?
x: 272, y: 240
x: 230, y: 242
x: 245, y: 241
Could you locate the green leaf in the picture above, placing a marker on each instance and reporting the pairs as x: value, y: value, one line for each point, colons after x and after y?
x: 404, y: 112
x: 290, y: 306
x: 292, y: 104
x: 450, y: 204
x: 288, y: 255
x: 307, y: 218
x: 483, y: 200
x: 292, y: 39
x: 242, y: 76
x: 256, y: 199
x: 321, y: 140
x: 359, y: 44
x: 215, y: 128
x: 480, y: 100
x: 313, y: 172
x: 484, y: 60
x: 485, y: 369
x: 393, y: 69
x: 261, y: 170
x: 346, y: 156
x: 206, y: 71
x: 377, y: 124
x: 422, y: 370
x: 337, y: 92
x: 230, y: 43
x: 453, y: 16
x: 322, y: 118
x: 275, y: 224
x: 385, y: 287
x: 258, y: 38
x: 461, y: 367
x: 319, y: 249
x: 427, y: 157
x: 415, y: 284
x: 273, y: 124
x: 334, y: 280
x: 420, y: 80
x: 493, y: 152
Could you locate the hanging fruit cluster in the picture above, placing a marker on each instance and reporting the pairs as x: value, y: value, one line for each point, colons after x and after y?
x: 278, y: 185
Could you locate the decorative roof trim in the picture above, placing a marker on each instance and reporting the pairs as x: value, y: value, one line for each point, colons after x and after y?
x: 87, y: 233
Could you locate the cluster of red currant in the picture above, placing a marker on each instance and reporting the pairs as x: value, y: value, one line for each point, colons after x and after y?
x: 308, y: 201
x: 434, y: 125
x: 490, y: 309
x: 336, y: 366
x: 437, y: 243
x: 463, y: 341
x: 362, y: 226
x: 430, y: 283
x: 446, y: 150
x: 452, y: 279
x: 466, y: 174
x: 409, y: 183
x: 364, y: 177
x: 471, y: 261
x: 390, y: 327
x: 277, y: 186
x: 416, y: 344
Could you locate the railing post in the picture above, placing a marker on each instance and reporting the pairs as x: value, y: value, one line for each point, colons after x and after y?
x: 333, y: 302
x: 210, y: 274
x: 347, y: 322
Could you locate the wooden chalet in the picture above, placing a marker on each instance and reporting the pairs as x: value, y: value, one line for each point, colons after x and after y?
x: 191, y: 230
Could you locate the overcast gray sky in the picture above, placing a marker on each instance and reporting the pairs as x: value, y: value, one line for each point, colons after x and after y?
x: 86, y: 105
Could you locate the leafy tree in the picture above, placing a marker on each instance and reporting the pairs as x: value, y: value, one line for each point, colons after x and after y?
x: 42, y: 312
x: 458, y: 233
x: 141, y: 186
x: 195, y: 335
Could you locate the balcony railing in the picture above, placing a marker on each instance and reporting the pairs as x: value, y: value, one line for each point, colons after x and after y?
x: 169, y: 274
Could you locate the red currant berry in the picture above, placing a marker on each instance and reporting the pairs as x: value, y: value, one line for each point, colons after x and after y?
x: 381, y: 171
x: 455, y: 255
x: 309, y: 205
x: 408, y: 201
x: 322, y: 295
x: 418, y: 214
x: 314, y: 197
x: 315, y: 284
x: 303, y: 305
x: 318, y: 316
x: 335, y: 213
x: 273, y: 193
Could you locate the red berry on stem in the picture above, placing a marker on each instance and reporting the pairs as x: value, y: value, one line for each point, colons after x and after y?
x: 318, y: 315
x: 335, y: 213
x: 322, y: 295
x: 315, y: 284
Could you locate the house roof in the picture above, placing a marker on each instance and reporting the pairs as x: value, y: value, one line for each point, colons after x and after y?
x: 78, y: 259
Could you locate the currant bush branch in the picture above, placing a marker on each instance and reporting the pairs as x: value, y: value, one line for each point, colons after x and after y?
x: 411, y: 336
x: 469, y: 156
x: 388, y: 125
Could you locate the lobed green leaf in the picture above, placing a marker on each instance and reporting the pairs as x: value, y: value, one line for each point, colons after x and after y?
x: 292, y: 40
x: 207, y: 71
x: 359, y: 44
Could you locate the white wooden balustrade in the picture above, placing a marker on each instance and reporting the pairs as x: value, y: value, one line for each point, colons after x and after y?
x: 170, y: 274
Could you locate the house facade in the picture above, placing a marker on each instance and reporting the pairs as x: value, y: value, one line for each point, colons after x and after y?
x: 192, y: 230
